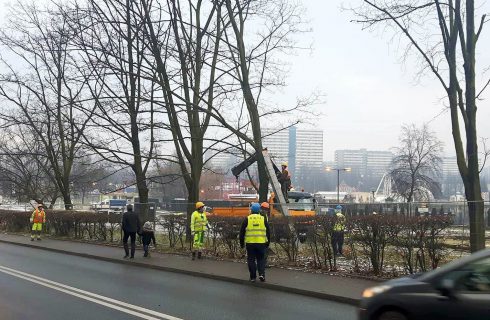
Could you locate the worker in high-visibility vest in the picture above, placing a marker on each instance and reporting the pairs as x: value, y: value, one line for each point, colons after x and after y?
x: 199, y: 223
x: 38, y: 218
x: 338, y: 231
x: 254, y: 233
x: 265, y: 211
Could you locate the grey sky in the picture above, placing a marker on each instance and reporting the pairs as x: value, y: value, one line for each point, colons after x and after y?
x: 369, y: 93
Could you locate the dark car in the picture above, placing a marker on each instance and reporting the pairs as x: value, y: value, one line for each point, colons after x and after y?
x: 458, y: 290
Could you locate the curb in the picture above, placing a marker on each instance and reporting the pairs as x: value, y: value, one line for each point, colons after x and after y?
x: 266, y: 285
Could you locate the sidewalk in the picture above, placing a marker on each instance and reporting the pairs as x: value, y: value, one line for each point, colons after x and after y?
x: 336, y: 288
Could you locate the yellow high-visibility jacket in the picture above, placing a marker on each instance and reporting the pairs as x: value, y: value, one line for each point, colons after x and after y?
x: 199, y: 221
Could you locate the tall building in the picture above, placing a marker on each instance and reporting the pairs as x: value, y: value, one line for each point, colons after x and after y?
x: 449, y: 167
x: 365, y: 162
x: 301, y: 148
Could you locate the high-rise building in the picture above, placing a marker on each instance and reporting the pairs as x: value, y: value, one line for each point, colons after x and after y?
x: 301, y: 148
x: 365, y: 162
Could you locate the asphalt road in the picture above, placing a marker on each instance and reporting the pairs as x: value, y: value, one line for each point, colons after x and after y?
x: 38, y: 284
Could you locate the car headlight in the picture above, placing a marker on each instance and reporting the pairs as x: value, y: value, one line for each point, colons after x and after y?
x: 374, y: 291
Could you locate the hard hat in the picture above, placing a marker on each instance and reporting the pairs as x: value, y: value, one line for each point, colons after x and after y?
x: 284, y: 164
x: 339, y: 207
x: 264, y: 205
x: 255, y: 207
x: 199, y: 205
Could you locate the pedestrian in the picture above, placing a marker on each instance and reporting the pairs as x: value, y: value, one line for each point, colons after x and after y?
x: 147, y: 236
x: 199, y: 223
x: 38, y: 218
x: 284, y: 178
x: 265, y: 211
x: 255, y: 234
x: 338, y: 231
x: 130, y: 226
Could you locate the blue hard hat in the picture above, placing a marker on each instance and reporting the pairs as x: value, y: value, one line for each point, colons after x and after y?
x: 339, y: 207
x: 255, y: 208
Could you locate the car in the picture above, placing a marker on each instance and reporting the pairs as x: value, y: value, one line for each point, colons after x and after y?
x: 458, y: 290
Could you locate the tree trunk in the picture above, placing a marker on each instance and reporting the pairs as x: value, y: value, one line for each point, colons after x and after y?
x: 472, y: 183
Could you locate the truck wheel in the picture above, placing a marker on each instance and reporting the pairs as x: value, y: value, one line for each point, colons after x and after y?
x: 392, y: 315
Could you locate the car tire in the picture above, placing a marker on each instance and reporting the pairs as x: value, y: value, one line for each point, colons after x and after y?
x: 392, y: 315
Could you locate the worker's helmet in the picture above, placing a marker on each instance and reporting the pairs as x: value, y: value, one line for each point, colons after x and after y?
x: 264, y: 205
x: 40, y: 206
x: 284, y: 164
x: 338, y: 207
x: 199, y: 205
x: 255, y: 207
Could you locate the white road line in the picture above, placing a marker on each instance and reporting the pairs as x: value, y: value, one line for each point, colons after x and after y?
x: 93, y: 297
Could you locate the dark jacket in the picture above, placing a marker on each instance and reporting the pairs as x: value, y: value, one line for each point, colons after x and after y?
x: 147, y: 236
x: 243, y: 229
x: 131, y: 222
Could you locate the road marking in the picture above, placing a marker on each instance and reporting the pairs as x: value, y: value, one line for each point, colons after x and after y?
x: 93, y: 297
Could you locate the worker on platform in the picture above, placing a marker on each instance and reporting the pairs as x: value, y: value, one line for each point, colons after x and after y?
x: 38, y: 218
x: 199, y: 223
x: 254, y: 233
x: 338, y: 231
x: 284, y: 178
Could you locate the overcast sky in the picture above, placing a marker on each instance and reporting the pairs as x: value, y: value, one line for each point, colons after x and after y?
x: 369, y: 94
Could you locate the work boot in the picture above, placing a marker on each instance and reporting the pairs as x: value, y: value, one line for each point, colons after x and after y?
x: 199, y: 255
x: 193, y: 256
x: 126, y: 250
x: 38, y: 239
x: 262, y: 278
x: 32, y: 239
x: 146, y: 254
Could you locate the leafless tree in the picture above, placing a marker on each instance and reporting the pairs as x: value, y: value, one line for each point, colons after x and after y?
x: 123, y: 128
x: 443, y: 34
x: 417, y: 163
x: 25, y: 172
x: 42, y: 87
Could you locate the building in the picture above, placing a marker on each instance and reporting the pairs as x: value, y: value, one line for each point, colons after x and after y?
x: 364, y: 162
x: 301, y: 148
x: 449, y: 167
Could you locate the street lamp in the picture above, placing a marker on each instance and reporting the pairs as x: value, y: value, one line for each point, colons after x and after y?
x: 338, y: 178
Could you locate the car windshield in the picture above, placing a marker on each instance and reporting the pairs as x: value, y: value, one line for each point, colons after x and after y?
x: 301, y: 204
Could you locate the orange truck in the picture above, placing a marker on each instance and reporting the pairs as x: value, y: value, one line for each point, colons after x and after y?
x: 300, y: 204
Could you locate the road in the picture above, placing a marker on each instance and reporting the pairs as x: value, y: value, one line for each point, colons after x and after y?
x: 38, y: 284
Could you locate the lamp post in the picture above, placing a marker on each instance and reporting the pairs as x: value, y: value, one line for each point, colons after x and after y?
x: 338, y: 178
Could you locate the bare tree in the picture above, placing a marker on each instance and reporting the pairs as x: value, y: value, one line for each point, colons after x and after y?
x: 443, y: 35
x: 251, y: 56
x: 43, y: 87
x: 25, y: 172
x: 417, y: 163
x: 123, y: 128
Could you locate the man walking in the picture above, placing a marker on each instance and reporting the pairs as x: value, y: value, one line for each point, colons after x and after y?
x: 338, y: 231
x: 38, y: 218
x: 199, y: 223
x: 254, y: 232
x: 130, y: 226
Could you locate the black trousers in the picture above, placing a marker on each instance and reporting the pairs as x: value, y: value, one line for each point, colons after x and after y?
x: 256, y: 259
x: 337, y: 241
x: 133, y: 242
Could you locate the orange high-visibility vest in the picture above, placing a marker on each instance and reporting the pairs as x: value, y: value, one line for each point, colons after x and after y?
x: 38, y: 216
